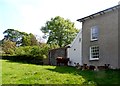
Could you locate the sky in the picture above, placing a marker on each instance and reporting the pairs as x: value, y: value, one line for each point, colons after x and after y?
x: 30, y: 15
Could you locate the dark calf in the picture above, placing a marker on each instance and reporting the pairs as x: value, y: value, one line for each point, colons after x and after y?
x: 106, y: 66
x: 85, y: 67
x: 91, y: 67
x: 61, y: 60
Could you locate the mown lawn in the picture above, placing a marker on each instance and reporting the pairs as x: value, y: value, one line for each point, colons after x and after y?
x: 20, y: 73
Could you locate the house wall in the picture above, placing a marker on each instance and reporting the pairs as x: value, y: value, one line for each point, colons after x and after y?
x: 107, y: 41
x: 75, y: 52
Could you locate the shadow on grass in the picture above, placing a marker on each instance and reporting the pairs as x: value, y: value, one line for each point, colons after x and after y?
x: 64, y: 69
x: 104, y: 77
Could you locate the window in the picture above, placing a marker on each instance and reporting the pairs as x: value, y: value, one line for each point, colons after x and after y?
x: 94, y: 53
x: 94, y: 33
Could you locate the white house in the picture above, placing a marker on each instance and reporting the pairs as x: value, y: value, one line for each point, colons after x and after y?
x: 93, y: 44
x: 75, y: 50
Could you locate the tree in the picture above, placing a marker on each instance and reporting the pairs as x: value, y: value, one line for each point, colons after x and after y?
x: 29, y: 40
x: 20, y: 38
x: 26, y: 40
x: 59, y: 31
x: 14, y: 36
x: 33, y: 39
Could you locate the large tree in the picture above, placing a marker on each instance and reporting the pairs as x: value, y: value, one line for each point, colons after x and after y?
x: 59, y: 31
x: 20, y: 38
x: 14, y: 36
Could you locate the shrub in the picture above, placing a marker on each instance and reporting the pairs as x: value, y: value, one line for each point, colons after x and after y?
x: 35, y: 51
x: 31, y: 54
x: 23, y: 51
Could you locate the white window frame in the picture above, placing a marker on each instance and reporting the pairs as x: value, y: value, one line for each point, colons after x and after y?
x: 94, y: 27
x: 91, y: 58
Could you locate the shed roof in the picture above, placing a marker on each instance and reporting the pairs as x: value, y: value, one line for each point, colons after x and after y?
x: 99, y: 13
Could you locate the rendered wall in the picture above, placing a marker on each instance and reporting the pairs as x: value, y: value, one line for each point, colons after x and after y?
x: 107, y: 40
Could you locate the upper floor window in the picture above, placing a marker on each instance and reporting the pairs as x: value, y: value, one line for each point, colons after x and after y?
x: 94, y: 33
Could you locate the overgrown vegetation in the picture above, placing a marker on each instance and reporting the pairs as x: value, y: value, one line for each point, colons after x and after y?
x: 30, y: 54
x: 19, y: 73
x: 20, y: 46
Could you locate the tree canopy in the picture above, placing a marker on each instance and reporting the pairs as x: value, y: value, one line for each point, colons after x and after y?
x: 14, y: 36
x: 59, y: 31
x: 20, y: 38
x: 29, y: 40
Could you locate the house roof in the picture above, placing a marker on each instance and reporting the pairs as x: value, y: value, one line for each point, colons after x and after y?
x: 99, y: 13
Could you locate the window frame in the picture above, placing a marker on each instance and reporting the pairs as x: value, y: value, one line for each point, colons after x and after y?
x: 94, y: 39
x: 91, y: 58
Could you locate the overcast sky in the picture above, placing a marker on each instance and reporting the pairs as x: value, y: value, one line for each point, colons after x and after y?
x: 30, y: 15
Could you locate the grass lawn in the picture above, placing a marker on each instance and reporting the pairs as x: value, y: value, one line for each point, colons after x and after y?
x: 20, y: 73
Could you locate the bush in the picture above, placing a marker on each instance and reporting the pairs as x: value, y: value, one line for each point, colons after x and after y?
x: 31, y: 54
x: 23, y: 51
x: 36, y: 51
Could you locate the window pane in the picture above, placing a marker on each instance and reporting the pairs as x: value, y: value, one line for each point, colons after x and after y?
x: 94, y: 52
x: 94, y: 33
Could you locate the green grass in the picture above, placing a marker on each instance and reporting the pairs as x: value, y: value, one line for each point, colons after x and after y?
x: 20, y: 73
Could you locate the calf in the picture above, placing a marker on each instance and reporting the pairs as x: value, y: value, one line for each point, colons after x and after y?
x: 62, y: 60
x: 85, y: 67
x: 106, y: 66
x: 91, y: 67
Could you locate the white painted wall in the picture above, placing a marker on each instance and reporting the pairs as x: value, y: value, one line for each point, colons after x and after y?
x: 75, y: 50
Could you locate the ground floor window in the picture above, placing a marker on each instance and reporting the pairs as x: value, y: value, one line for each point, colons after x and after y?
x: 94, y: 52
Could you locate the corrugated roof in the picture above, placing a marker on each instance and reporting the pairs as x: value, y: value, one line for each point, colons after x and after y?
x: 99, y: 13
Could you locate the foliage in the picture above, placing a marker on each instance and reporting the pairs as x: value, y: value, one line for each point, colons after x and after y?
x: 59, y: 31
x: 33, y: 40
x: 26, y: 40
x: 14, y: 35
x: 29, y: 40
x: 30, y: 54
x: 54, y: 46
x: 39, y: 52
x: 23, y: 51
x: 8, y: 47
x: 21, y: 38
x: 26, y: 53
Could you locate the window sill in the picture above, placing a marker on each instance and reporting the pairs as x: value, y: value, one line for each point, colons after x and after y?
x: 94, y: 59
x: 94, y: 40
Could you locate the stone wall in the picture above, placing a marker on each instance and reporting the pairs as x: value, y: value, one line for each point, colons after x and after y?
x: 54, y: 53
